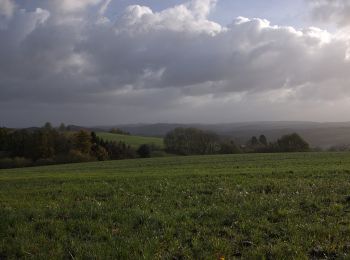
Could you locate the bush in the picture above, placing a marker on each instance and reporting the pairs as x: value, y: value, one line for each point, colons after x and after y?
x: 75, y: 156
x: 229, y: 147
x: 47, y: 161
x: 4, y: 154
x: 22, y: 162
x: 159, y: 153
x: 17, y: 162
x: 119, y: 151
x: 144, y: 151
x: 6, y: 163
x: 100, y: 153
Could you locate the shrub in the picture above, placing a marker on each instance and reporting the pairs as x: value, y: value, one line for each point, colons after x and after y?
x: 76, y: 156
x: 144, y: 151
x: 4, y: 154
x: 119, y: 151
x: 159, y: 153
x: 6, y: 163
x: 46, y: 161
x: 100, y: 153
x: 22, y: 162
x: 17, y: 162
x: 229, y: 147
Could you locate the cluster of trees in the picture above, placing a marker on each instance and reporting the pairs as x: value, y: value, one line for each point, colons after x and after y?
x: 256, y: 145
x: 48, y: 145
x: 118, y: 131
x: 287, y: 143
x: 191, y: 141
x: 340, y: 148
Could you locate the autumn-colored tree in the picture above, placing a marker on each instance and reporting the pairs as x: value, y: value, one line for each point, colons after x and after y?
x: 82, y: 141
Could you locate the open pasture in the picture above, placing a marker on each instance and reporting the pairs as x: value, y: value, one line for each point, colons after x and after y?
x: 268, y: 206
x: 132, y: 140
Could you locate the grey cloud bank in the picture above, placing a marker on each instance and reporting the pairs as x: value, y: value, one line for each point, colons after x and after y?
x: 68, y: 61
x: 335, y: 11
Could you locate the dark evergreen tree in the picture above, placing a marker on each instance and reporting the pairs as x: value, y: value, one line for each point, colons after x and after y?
x: 47, y: 126
x: 254, y: 141
x: 263, y: 140
x: 4, y: 133
x: 62, y: 127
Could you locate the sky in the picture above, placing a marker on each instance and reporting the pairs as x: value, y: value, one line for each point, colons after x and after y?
x: 107, y: 62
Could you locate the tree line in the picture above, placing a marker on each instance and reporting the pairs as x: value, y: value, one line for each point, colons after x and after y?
x: 119, y: 131
x: 192, y: 141
x: 286, y: 144
x: 47, y: 145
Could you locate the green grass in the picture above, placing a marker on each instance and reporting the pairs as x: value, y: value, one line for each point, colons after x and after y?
x: 132, y: 140
x: 265, y: 206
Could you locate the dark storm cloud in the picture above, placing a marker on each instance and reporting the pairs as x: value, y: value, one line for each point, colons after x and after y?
x: 70, y: 55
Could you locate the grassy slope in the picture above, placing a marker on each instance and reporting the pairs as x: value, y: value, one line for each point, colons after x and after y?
x: 280, y: 205
x: 134, y: 141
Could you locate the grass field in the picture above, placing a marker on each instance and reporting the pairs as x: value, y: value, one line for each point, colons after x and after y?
x: 265, y: 206
x: 132, y: 140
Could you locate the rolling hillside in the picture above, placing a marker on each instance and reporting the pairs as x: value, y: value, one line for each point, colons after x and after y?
x: 132, y: 140
x: 252, y: 206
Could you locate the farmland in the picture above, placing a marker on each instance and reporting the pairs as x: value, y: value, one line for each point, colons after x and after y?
x: 202, y: 207
x: 132, y: 140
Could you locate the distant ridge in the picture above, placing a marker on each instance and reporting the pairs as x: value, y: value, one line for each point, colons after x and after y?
x: 323, y: 135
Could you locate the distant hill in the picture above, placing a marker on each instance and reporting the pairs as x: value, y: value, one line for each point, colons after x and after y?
x: 75, y: 128
x: 322, y: 135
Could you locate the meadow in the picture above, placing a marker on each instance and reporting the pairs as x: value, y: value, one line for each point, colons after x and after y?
x: 132, y: 140
x: 251, y: 206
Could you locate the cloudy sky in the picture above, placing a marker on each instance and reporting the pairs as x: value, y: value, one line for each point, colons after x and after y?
x: 94, y: 62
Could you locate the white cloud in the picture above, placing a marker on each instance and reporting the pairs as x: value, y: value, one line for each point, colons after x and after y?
x: 75, y: 5
x: 181, y: 18
x: 202, y: 8
x: 166, y: 63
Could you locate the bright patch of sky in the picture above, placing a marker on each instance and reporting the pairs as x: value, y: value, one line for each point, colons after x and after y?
x: 279, y: 12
